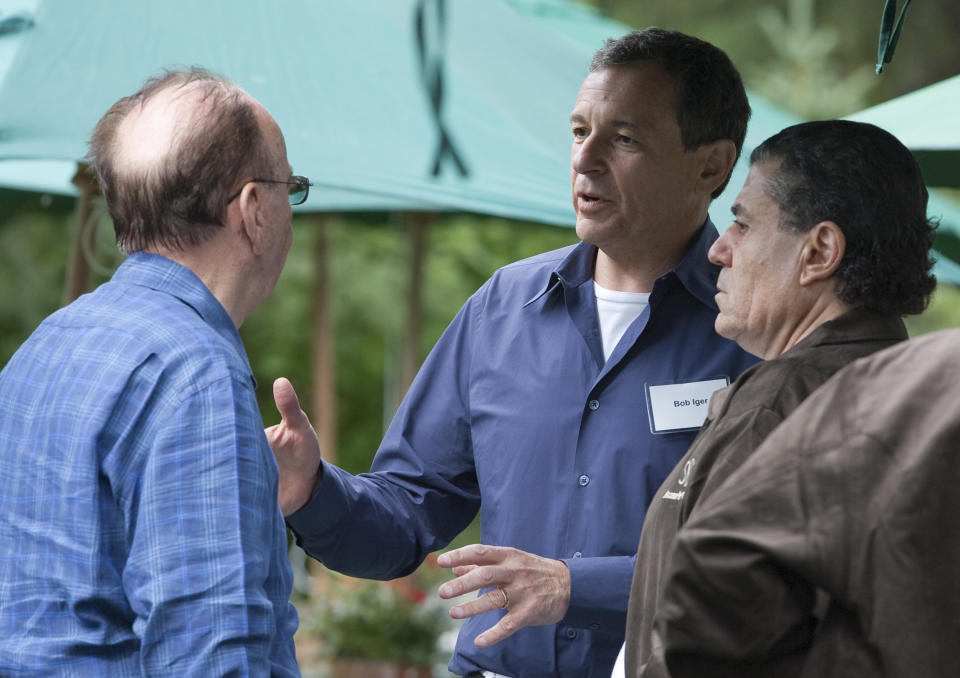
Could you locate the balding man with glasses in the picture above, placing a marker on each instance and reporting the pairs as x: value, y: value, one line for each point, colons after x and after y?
x: 140, y: 533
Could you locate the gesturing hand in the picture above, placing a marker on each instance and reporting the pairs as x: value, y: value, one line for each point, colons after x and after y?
x: 535, y: 590
x: 296, y: 448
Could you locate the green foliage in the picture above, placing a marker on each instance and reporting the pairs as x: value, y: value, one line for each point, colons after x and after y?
x: 943, y: 312
x: 33, y: 263
x: 359, y: 619
x: 803, y: 76
x: 368, y: 280
x: 928, y: 50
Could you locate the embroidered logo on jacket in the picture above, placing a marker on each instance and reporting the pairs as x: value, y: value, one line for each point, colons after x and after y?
x: 677, y: 495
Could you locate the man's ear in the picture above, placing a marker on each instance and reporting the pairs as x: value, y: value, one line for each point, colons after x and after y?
x: 717, y: 159
x: 252, y: 221
x: 823, y: 249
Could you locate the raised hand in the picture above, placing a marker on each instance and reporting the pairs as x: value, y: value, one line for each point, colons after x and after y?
x: 296, y: 447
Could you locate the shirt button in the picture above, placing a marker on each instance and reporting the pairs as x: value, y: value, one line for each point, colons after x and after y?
x: 595, y: 627
x: 571, y: 634
x: 583, y: 480
x: 594, y: 404
x: 578, y: 555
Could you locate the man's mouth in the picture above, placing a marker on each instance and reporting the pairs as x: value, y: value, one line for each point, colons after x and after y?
x: 589, y: 200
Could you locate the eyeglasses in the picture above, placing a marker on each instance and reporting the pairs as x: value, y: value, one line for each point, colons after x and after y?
x: 298, y: 188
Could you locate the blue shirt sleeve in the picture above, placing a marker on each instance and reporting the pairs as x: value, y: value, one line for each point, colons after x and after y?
x: 203, y: 548
x: 599, y: 592
x: 422, y: 487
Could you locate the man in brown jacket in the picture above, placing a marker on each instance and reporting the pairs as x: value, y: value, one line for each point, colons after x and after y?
x: 829, y: 247
x: 851, y: 503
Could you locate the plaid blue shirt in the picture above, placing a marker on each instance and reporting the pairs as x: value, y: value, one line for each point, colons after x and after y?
x: 139, y: 527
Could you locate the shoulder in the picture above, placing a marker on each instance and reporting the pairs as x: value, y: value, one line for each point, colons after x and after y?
x: 520, y: 281
x: 133, y: 328
x: 783, y: 383
x: 892, y: 391
x: 535, y: 270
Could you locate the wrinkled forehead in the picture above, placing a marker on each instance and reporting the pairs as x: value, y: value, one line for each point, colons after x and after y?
x: 631, y: 91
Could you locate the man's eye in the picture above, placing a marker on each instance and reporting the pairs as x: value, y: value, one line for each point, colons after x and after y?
x: 579, y: 132
x: 622, y: 139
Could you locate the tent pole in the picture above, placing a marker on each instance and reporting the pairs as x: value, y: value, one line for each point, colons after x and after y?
x: 324, y: 414
x: 418, y: 226
x: 78, y: 270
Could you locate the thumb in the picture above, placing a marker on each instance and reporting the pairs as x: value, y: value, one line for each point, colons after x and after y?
x: 288, y: 404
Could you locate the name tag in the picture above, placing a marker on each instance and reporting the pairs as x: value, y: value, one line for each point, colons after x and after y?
x: 680, y: 407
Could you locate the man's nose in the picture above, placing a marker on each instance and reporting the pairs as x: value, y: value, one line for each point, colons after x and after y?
x: 587, y: 155
x: 719, y: 252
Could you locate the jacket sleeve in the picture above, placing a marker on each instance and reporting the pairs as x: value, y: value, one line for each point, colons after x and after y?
x: 421, y: 490
x: 739, y: 592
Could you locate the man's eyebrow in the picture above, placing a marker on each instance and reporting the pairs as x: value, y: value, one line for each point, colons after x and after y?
x: 624, y: 123
x: 620, y: 124
x: 739, y: 210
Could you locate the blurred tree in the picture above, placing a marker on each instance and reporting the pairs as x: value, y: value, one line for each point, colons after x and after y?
x: 35, y: 238
x: 803, y: 75
x: 33, y: 256
x: 928, y: 50
x: 368, y: 280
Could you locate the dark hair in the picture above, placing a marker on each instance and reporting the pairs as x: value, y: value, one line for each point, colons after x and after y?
x: 711, y: 101
x: 863, y: 179
x: 181, y: 200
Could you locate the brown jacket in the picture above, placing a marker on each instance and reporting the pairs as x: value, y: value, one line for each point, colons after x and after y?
x: 740, y: 417
x: 853, y: 500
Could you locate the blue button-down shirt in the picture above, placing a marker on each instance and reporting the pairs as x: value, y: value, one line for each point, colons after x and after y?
x: 139, y: 526
x: 516, y: 413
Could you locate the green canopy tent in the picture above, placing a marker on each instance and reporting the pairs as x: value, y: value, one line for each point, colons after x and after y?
x: 346, y: 83
x: 928, y: 122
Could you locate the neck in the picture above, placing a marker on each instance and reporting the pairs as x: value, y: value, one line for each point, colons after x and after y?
x: 637, y: 270
x: 226, y: 278
x: 822, y: 311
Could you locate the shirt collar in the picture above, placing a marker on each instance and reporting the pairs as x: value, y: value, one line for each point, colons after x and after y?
x: 159, y: 273
x: 856, y: 325
x: 695, y: 272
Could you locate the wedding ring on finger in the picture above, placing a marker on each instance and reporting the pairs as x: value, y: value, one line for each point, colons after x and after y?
x: 506, y: 598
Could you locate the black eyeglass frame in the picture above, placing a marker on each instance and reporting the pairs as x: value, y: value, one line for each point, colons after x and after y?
x: 299, y: 182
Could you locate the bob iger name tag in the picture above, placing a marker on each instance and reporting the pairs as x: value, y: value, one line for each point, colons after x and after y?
x: 681, y: 406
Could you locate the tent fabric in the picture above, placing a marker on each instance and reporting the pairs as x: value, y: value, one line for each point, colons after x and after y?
x: 342, y: 79
x: 345, y: 82
x: 926, y: 121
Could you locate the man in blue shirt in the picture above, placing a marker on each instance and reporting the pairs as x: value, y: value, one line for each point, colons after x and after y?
x: 563, y: 392
x: 139, y: 526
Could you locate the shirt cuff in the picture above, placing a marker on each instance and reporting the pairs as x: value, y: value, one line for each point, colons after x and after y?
x: 599, y: 592
x: 317, y: 520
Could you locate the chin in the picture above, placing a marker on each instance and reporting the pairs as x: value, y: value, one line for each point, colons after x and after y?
x: 725, y: 328
x: 588, y: 231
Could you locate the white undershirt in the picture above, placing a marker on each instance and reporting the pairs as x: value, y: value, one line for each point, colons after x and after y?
x: 617, y: 310
x: 619, y: 668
